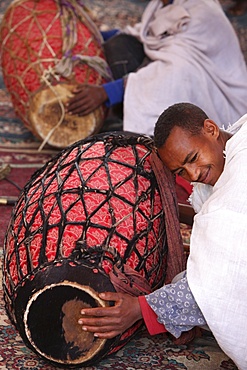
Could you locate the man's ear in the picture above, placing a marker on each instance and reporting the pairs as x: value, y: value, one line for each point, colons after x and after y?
x: 211, y: 128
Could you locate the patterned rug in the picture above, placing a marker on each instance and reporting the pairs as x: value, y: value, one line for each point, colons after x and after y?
x: 19, y: 157
x: 142, y: 352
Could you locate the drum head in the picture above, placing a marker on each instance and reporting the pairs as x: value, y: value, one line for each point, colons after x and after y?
x: 50, y: 307
x: 45, y: 113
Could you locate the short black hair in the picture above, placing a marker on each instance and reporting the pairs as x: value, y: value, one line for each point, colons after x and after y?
x: 185, y: 115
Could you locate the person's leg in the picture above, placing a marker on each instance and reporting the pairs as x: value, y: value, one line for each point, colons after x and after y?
x: 124, y: 54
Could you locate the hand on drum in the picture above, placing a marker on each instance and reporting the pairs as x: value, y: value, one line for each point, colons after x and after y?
x: 86, y: 99
x: 107, y: 322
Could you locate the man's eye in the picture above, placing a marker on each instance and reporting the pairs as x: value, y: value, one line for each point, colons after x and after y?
x: 193, y: 159
x: 180, y: 173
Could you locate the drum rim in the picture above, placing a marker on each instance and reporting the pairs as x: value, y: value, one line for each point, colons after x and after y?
x: 34, y: 297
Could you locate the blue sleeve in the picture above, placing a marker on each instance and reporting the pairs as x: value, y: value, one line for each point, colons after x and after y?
x: 108, y: 34
x: 115, y: 92
x: 176, y: 307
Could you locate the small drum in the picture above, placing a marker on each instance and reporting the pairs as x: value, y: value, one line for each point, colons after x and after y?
x: 47, y: 48
x: 91, y: 220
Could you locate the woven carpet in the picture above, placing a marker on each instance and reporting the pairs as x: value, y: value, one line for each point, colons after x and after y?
x: 19, y: 158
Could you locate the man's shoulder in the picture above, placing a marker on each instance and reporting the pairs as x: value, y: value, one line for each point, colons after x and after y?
x: 235, y: 127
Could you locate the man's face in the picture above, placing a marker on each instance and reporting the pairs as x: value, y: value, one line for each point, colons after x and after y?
x: 197, y: 158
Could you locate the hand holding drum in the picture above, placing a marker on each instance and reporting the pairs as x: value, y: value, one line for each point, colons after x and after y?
x: 86, y: 98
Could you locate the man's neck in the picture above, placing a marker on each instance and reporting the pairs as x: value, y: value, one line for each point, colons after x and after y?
x: 225, y: 136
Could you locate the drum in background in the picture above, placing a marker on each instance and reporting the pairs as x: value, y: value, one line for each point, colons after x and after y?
x: 45, y: 43
x: 90, y: 220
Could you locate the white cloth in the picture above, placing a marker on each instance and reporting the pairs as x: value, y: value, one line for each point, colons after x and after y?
x: 217, y: 265
x: 196, y: 58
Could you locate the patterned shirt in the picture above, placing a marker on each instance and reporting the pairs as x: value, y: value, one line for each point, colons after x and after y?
x: 176, y: 307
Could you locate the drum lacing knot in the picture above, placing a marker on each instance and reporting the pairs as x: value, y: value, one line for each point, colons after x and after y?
x: 48, y: 75
x: 97, y: 255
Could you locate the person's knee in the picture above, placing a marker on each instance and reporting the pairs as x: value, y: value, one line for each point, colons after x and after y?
x: 124, y: 54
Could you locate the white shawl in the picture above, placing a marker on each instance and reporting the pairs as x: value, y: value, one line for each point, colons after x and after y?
x: 196, y: 58
x: 217, y: 265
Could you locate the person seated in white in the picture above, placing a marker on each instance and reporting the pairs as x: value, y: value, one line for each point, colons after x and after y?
x: 193, y: 55
x: 212, y: 290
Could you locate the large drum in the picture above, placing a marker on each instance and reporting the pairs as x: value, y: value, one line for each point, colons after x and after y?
x: 47, y: 48
x: 90, y: 220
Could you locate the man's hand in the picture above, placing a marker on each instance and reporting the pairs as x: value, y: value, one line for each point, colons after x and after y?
x: 107, y: 322
x: 86, y: 99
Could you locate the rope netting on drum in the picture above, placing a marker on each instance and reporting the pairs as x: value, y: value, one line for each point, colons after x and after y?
x: 45, y: 42
x: 97, y: 203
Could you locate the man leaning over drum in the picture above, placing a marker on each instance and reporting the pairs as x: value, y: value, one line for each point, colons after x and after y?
x: 179, y: 46
x: 212, y: 291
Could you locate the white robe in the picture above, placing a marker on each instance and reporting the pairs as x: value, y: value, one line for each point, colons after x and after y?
x: 200, y: 62
x: 217, y: 265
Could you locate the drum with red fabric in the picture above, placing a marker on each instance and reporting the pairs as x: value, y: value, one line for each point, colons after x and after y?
x: 90, y: 220
x: 47, y: 48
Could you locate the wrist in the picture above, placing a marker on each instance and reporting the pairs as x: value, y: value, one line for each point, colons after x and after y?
x: 137, y: 307
x: 114, y: 91
x: 150, y: 318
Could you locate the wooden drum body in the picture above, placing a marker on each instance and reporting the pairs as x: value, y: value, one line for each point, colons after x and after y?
x: 47, y: 48
x: 91, y: 220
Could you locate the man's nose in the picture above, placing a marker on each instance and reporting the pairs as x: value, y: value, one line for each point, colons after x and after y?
x: 193, y: 172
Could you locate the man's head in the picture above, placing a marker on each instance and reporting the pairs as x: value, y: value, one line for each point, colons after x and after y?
x: 190, y: 144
